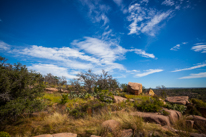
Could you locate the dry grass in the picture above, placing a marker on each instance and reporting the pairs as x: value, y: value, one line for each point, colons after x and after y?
x: 90, y: 125
x: 57, y: 123
x: 183, y: 129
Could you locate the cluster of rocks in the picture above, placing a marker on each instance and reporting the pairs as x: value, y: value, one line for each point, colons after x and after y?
x: 52, y: 90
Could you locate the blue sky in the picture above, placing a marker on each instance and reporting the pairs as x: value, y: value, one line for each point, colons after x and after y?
x: 153, y: 42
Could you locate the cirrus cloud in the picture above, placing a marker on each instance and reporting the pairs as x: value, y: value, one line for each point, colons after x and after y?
x: 148, y: 72
x: 198, y: 75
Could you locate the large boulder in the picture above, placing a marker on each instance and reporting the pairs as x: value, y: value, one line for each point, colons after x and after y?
x: 58, y: 135
x: 134, y: 88
x: 44, y: 135
x: 64, y: 135
x: 51, y: 89
x: 174, y: 115
x: 153, y: 117
x: 199, y: 122
x: 111, y: 125
x: 150, y: 92
x: 118, y: 99
x: 183, y: 100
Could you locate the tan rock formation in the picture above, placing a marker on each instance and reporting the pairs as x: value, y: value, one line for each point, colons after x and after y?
x: 118, y: 99
x: 44, y: 135
x: 111, y: 125
x: 134, y: 88
x: 183, y: 100
x: 199, y: 122
x: 174, y: 115
x: 58, y: 135
x: 150, y: 92
x: 153, y: 117
x: 64, y: 135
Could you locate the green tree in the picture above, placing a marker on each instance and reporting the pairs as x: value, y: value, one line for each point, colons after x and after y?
x: 19, y: 90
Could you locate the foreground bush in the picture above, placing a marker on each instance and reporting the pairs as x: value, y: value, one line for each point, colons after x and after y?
x: 88, y: 108
x: 151, y: 105
x: 180, y: 108
x: 198, y: 103
x: 19, y: 90
x: 4, y: 134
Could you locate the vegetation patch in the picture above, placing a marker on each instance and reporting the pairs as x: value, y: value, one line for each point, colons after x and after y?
x: 180, y: 108
x: 151, y: 105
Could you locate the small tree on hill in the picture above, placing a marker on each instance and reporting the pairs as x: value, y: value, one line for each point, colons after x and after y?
x: 19, y: 90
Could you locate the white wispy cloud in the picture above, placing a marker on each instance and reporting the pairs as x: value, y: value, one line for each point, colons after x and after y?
x: 89, y: 53
x: 97, y: 11
x: 175, y: 48
x: 191, y: 68
x: 107, y: 51
x: 53, y: 69
x: 168, y: 2
x: 143, y: 53
x: 198, y: 75
x: 150, y: 27
x: 4, y: 46
x: 118, y: 2
x: 144, y: 19
x: 148, y: 72
x: 61, y: 54
x: 200, y: 47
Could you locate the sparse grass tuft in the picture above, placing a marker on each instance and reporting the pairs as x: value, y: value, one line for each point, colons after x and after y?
x: 183, y: 129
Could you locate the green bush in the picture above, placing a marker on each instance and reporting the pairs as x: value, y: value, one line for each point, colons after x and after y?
x: 192, y: 110
x: 64, y: 99
x: 81, y: 110
x: 180, y: 108
x: 106, y: 96
x: 198, y: 103
x: 152, y: 105
x: 124, y: 87
x: 20, y: 90
x: 4, y: 134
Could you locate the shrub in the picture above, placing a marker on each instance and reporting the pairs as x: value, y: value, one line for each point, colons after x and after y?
x: 180, y: 108
x: 198, y: 103
x: 192, y: 110
x: 124, y: 87
x: 81, y: 110
x: 4, y: 134
x: 64, y: 98
x: 19, y: 90
x: 105, y: 96
x: 152, y: 105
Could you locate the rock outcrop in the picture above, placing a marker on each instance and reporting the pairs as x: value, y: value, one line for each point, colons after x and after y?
x: 111, y: 125
x: 51, y: 90
x: 118, y: 99
x: 150, y: 92
x: 183, y: 100
x: 58, y: 135
x: 199, y: 122
x: 134, y: 88
x: 174, y: 115
x: 153, y: 117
